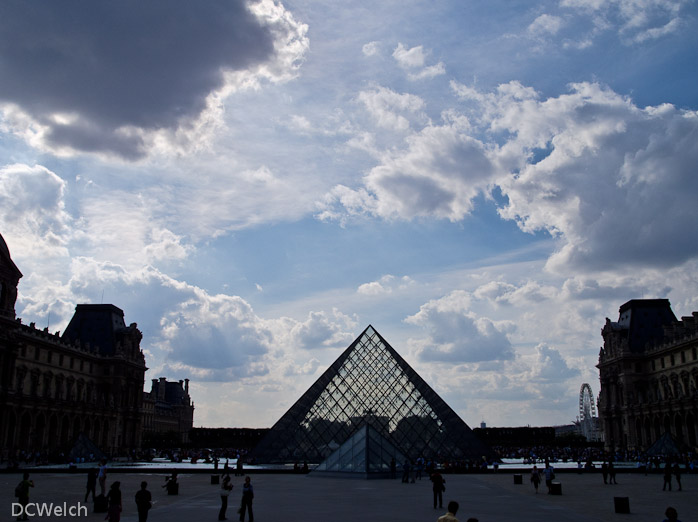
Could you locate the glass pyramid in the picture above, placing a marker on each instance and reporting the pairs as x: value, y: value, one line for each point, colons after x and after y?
x: 370, y: 384
x: 365, y: 454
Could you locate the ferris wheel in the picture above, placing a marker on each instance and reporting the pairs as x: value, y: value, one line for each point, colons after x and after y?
x: 587, y: 412
x: 587, y: 405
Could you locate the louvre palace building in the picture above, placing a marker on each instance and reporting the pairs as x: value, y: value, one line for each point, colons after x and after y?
x: 87, y: 381
x: 648, y: 367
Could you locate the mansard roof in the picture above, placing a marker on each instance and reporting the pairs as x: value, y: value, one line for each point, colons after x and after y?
x: 644, y: 320
x: 96, y: 324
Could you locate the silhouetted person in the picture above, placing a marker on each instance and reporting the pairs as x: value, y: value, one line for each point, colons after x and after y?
x: 677, y: 474
x: 406, y: 471
x: 535, y: 477
x: 671, y: 515
x: 91, y: 484
x: 144, y: 501
x: 102, y: 476
x: 114, y: 499
x: 549, y: 476
x: 171, y: 484
x: 611, y: 473
x: 246, y: 504
x: 451, y: 515
x: 226, y: 488
x: 438, y: 487
x: 667, y: 476
x: 22, y: 492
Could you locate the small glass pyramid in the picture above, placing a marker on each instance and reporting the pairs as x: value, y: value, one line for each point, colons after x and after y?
x: 365, y: 454
x: 370, y: 384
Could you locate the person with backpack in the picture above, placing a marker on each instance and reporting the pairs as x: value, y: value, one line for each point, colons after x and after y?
x: 438, y: 487
x: 549, y: 473
x: 226, y: 488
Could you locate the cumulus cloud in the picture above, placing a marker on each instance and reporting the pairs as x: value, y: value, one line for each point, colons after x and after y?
x: 217, y: 333
x: 457, y: 334
x: 33, y: 217
x: 545, y: 25
x: 549, y: 366
x: 413, y: 60
x: 108, y: 78
x: 392, y: 110
x: 321, y: 330
x: 438, y: 174
x: 385, y: 285
x: 613, y: 182
x: 528, y: 293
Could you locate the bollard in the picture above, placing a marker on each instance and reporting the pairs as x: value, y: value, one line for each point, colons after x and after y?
x: 215, y: 479
x: 555, y: 488
x: 518, y: 478
x: 622, y: 504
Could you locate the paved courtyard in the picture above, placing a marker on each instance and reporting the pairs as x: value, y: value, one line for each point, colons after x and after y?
x: 296, y: 498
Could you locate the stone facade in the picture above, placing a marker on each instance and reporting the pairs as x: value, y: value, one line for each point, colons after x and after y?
x: 168, y: 409
x: 648, y: 369
x: 54, y: 387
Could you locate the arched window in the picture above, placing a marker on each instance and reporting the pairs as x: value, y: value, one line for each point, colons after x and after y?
x: 678, y: 426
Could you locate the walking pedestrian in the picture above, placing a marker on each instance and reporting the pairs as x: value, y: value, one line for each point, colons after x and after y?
x: 677, y: 474
x: 144, y: 501
x: 549, y: 476
x: 246, y: 504
x: 22, y: 494
x: 171, y: 484
x: 226, y: 488
x: 91, y: 483
x: 535, y: 478
x: 438, y: 487
x: 611, y: 473
x: 102, y: 476
x: 667, y: 476
x: 604, y: 472
x: 114, y: 499
x: 406, y: 472
x: 419, y: 468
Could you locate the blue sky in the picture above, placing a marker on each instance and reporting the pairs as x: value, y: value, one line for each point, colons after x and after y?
x: 255, y: 183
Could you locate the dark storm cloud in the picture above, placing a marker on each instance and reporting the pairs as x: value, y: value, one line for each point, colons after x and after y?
x: 146, y: 64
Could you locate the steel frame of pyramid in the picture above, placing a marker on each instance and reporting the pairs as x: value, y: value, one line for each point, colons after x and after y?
x: 370, y: 383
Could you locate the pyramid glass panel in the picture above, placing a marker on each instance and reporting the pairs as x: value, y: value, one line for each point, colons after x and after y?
x: 370, y: 385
